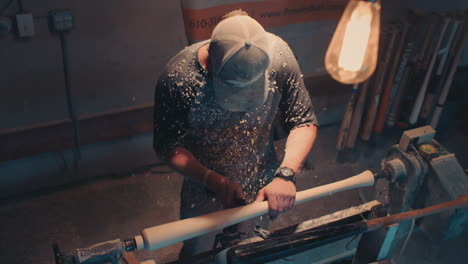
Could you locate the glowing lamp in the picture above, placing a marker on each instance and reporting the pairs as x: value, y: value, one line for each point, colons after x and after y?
x: 352, y: 54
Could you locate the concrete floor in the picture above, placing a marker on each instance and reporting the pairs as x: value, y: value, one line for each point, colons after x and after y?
x: 110, y: 208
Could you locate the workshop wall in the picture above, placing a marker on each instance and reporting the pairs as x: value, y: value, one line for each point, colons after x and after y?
x: 116, y: 52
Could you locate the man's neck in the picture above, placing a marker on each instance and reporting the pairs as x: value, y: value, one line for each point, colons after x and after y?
x: 203, y: 56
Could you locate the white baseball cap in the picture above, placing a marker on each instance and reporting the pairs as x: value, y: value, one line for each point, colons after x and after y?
x: 239, y: 59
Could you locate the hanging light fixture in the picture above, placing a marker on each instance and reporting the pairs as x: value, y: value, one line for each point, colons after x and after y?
x: 352, y: 54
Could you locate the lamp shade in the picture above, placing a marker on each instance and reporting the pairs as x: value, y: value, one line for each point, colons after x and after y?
x: 352, y: 54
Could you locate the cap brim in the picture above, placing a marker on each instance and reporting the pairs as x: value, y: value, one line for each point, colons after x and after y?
x: 245, y: 99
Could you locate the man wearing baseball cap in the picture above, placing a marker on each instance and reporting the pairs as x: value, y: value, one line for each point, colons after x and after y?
x: 215, y: 106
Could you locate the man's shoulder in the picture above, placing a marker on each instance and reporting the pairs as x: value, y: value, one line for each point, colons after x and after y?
x: 182, y: 58
x: 182, y: 65
x: 282, y: 57
x: 278, y: 44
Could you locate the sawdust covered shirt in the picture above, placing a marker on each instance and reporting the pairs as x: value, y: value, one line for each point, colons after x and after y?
x: 237, y: 145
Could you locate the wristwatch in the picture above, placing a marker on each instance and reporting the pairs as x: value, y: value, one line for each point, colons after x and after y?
x: 286, y: 173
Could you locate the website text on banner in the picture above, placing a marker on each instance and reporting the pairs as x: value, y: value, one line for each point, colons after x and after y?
x: 200, y: 16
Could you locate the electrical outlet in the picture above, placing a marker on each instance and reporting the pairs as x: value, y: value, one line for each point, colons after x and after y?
x: 25, y: 25
x: 61, y: 20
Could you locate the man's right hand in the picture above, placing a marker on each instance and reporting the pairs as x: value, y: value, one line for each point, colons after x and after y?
x: 229, y: 192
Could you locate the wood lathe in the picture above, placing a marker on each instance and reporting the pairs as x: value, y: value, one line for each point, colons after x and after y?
x: 160, y: 236
x: 163, y: 235
x: 376, y: 227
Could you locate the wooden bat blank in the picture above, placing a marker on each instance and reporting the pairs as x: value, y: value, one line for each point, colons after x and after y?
x: 422, y: 91
x: 167, y: 234
x: 376, y: 92
x: 357, y: 116
x: 439, y: 75
x: 386, y: 95
x: 346, y: 122
x: 448, y: 82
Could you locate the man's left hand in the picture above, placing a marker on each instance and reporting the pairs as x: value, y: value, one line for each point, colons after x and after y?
x: 281, y: 195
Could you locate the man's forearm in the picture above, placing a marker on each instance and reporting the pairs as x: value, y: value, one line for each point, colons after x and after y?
x: 298, y: 146
x: 281, y: 193
x: 185, y: 162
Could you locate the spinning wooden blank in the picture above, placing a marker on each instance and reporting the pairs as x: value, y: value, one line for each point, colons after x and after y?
x: 167, y: 234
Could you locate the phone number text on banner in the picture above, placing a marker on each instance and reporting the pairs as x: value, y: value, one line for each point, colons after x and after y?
x: 199, y: 23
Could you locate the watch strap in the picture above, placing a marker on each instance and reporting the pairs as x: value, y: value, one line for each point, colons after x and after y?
x: 292, y: 178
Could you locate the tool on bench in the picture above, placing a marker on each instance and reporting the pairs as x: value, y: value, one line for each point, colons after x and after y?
x: 284, y: 246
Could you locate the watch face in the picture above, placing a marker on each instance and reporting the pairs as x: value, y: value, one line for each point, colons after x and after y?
x: 287, y: 172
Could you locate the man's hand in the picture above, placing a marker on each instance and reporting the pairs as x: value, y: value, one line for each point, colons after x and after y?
x: 281, y: 195
x: 229, y: 192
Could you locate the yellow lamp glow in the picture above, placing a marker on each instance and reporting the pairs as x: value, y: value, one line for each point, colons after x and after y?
x: 352, y: 54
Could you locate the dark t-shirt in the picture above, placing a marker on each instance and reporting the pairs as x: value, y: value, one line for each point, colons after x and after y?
x: 237, y: 145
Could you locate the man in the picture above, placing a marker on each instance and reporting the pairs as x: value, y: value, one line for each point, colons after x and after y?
x: 215, y: 104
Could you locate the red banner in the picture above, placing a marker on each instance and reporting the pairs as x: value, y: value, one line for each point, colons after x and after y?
x: 199, y: 23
